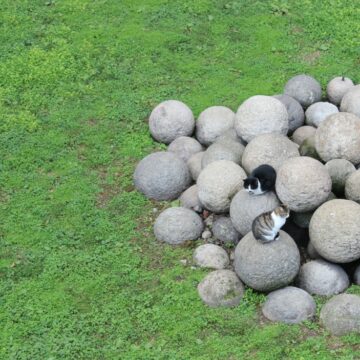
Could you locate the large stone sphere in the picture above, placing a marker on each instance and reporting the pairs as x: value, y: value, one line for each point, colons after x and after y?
x: 270, y: 149
x: 335, y: 230
x: 295, y: 111
x: 184, y: 147
x: 307, y: 148
x: 352, y: 186
x: 290, y: 305
x: 162, y: 176
x: 303, y: 183
x: 338, y: 137
x: 213, y: 122
x: 190, y: 199
x: 341, y: 314
x: 320, y: 277
x: 302, y: 133
x: 266, y: 267
x: 351, y: 101
x: 357, y: 276
x: 303, y: 88
x: 178, y: 225
x: 221, y: 288
x: 318, y: 112
x: 224, y: 230
x: 311, y: 251
x: 171, y: 119
x: 218, y: 183
x: 245, y: 208
x: 231, y: 135
x: 194, y: 164
x: 339, y: 170
x: 211, y: 256
x: 261, y: 115
x: 337, y: 88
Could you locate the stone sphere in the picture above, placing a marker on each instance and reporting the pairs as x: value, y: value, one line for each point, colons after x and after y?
x: 302, y: 219
x: 295, y: 111
x: 303, y: 88
x: 335, y: 230
x: 218, y: 183
x: 311, y: 251
x: 224, y: 230
x: 211, y: 256
x: 339, y: 170
x: 352, y: 186
x: 194, y: 164
x: 261, y: 115
x: 190, y: 199
x: 171, y: 119
x: 221, y: 288
x: 338, y: 137
x: 231, y: 135
x: 184, y: 147
x: 213, y: 122
x: 337, y: 88
x: 177, y: 225
x: 290, y: 305
x: 266, y: 267
x: 303, y: 183
x: 350, y: 103
x: 307, y: 148
x: 357, y: 276
x: 302, y: 133
x: 318, y: 112
x: 270, y: 149
x: 162, y: 176
x: 245, y: 208
x: 319, y: 277
x: 341, y: 314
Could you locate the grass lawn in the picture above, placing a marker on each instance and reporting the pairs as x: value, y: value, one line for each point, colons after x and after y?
x: 82, y: 276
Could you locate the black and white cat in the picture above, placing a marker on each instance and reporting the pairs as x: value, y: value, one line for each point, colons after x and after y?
x: 261, y: 180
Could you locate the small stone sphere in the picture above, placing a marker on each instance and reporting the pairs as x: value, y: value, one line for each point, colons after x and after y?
x: 337, y: 88
x: 303, y: 183
x: 218, y: 183
x: 221, y: 288
x: 162, y: 176
x: 318, y: 112
x: 270, y: 149
x: 352, y: 186
x: 307, y: 148
x: 339, y: 170
x: 302, y: 133
x: 319, y: 277
x: 311, y: 251
x: 194, y: 164
x: 357, y: 276
x: 302, y: 219
x: 350, y: 103
x: 261, y: 115
x: 211, y: 256
x: 231, y: 135
x: 295, y: 111
x: 224, y: 230
x: 213, y: 122
x: 190, y: 199
x: 303, y: 88
x: 171, y: 119
x: 177, y: 225
x: 245, y: 208
x: 184, y: 147
x: 290, y: 305
x: 266, y: 267
x: 335, y: 230
x: 341, y: 314
x: 338, y: 137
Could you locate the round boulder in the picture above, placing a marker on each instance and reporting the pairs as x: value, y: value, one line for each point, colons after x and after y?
x: 190, y: 199
x: 184, y: 147
x: 211, y: 256
x: 357, y: 276
x: 350, y: 103
x: 307, y: 148
x: 352, y: 186
x: 318, y: 112
x: 302, y: 219
x: 311, y: 251
x: 224, y: 230
x: 194, y: 164
x: 337, y: 88
x: 302, y: 133
x: 231, y: 135
x: 339, y: 170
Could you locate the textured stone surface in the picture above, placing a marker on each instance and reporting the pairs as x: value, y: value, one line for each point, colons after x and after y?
x: 337, y: 88
x: 211, y: 256
x: 357, y: 276
x: 162, y: 176
x: 339, y: 170
x: 218, y: 183
x: 351, y: 101
x: 290, y: 305
x: 303, y: 183
x: 194, y: 164
x: 221, y: 288
x: 266, y: 267
x: 261, y: 115
x: 177, y: 225
x: 229, y: 135
x: 307, y: 148
x: 352, y: 186
x: 224, y: 230
x: 171, y: 119
x: 190, y: 199
x: 318, y: 112
x: 302, y: 133
x: 184, y: 147
x: 313, y: 254
x: 270, y: 149
x: 335, y: 230
x: 338, y: 137
x: 302, y: 219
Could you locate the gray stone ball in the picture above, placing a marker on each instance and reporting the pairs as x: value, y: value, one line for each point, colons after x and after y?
x: 231, y: 135
x: 357, y: 276
x: 184, y: 147
x: 303, y: 183
x: 266, y: 267
x: 311, y: 251
x: 335, y: 230
x: 194, y: 164
x: 302, y: 219
x: 270, y: 149
x: 318, y: 112
x: 261, y: 115
x: 341, y: 314
x: 319, y: 277
x: 211, y: 256
x: 339, y: 170
x: 162, y: 176
x: 351, y: 101
x: 224, y: 230
x: 302, y: 133
x: 307, y: 148
x: 221, y: 288
x: 218, y: 183
x: 213, y: 122
x: 303, y: 88
x: 337, y: 88
x: 338, y: 137
x: 290, y: 305
x: 352, y: 186
x: 245, y: 208
x: 177, y: 225
x: 171, y: 119
x: 190, y: 199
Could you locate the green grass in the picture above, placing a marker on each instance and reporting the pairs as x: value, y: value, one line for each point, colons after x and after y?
x: 82, y: 276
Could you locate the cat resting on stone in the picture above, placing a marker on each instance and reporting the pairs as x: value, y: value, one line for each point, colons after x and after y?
x: 261, y: 180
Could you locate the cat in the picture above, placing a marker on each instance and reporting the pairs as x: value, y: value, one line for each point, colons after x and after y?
x: 261, y: 180
x: 266, y: 226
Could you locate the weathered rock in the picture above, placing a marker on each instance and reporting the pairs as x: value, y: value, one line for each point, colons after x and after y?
x: 184, y: 147
x: 357, y: 276
x: 318, y: 112
x: 231, y: 135
x: 307, y: 148
x: 313, y: 254
x: 194, y: 164
x: 350, y: 102
x: 302, y: 219
x: 224, y: 230
x: 190, y: 199
x: 352, y: 186
x: 302, y: 133
x: 339, y: 170
x: 337, y: 88
x: 211, y: 256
